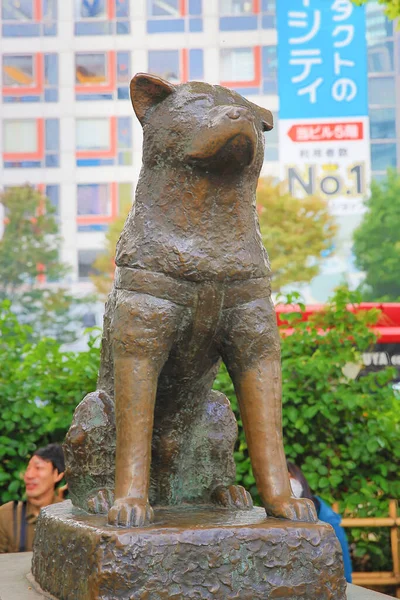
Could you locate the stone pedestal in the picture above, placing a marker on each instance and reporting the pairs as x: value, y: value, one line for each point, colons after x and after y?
x: 200, y: 553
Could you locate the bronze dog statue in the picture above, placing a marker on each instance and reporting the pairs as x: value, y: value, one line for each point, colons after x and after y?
x: 192, y: 286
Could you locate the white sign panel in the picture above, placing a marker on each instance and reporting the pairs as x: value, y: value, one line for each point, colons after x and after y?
x: 329, y: 158
x: 323, y: 112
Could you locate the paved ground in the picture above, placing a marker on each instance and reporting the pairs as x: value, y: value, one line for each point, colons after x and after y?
x: 15, y: 586
x: 13, y: 582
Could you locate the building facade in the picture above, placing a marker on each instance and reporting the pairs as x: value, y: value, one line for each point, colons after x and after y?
x: 67, y: 124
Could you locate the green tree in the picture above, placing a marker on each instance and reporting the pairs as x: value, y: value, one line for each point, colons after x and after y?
x: 294, y: 231
x: 29, y: 252
x: 392, y: 7
x: 40, y: 386
x: 377, y: 241
x: 29, y: 246
x: 344, y: 433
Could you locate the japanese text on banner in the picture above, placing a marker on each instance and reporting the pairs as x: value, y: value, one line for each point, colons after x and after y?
x: 322, y: 58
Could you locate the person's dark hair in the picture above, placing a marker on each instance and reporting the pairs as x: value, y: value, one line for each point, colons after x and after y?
x: 297, y: 473
x: 54, y: 454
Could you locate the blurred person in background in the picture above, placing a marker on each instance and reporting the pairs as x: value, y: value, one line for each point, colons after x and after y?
x: 18, y: 519
x: 301, y: 489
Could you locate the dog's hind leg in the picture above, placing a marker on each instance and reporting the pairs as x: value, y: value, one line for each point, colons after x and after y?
x: 143, y: 331
x: 250, y: 349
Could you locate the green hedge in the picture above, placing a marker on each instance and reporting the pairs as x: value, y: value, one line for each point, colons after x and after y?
x: 40, y: 386
x: 343, y: 433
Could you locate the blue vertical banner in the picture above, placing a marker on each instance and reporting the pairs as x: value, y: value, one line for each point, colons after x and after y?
x: 322, y: 59
x: 323, y: 121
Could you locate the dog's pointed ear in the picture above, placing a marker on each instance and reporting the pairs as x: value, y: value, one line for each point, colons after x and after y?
x: 147, y: 91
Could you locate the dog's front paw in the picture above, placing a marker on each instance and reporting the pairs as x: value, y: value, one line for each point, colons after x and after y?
x: 233, y: 496
x: 100, y: 501
x: 294, y: 509
x: 130, y: 512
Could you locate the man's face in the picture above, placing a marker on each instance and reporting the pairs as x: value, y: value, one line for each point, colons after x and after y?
x: 40, y: 477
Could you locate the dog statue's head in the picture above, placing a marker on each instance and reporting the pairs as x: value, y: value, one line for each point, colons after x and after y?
x: 195, y: 123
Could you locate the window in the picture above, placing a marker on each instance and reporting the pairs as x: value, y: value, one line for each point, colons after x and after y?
x: 30, y: 143
x: 165, y: 64
x: 30, y: 77
x: 381, y: 91
x: 51, y: 69
x: 121, y: 9
x: 164, y: 8
x: 382, y: 123
x: 177, y: 66
x: 123, y: 67
x: 101, y: 17
x: 174, y: 16
x: 52, y: 135
x: 123, y: 75
x: 102, y: 75
x: 86, y: 258
x: 236, y: 7
x: 246, y: 15
x: 196, y: 67
x: 100, y: 203
x: 104, y: 141
x: 237, y: 64
x: 18, y: 70
x: 20, y: 136
x: 53, y: 195
x: 93, y: 134
x: 94, y: 199
x: 270, y: 70
x: 51, y: 77
x: 268, y: 6
x: 17, y: 10
x: 383, y: 156
x: 90, y: 68
x: 124, y: 141
x: 28, y: 18
x: 91, y: 9
x: 239, y: 15
x: 378, y: 25
x: 380, y: 57
x: 241, y: 69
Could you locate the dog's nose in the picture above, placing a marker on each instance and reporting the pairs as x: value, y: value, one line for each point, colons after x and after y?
x: 233, y: 113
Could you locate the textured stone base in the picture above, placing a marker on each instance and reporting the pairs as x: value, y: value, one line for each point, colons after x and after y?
x: 17, y: 583
x: 200, y: 553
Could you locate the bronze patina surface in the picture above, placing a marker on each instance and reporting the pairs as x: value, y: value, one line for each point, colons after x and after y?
x: 201, y: 553
x: 192, y: 287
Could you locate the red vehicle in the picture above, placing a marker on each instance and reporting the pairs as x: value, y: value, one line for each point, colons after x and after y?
x: 386, y: 352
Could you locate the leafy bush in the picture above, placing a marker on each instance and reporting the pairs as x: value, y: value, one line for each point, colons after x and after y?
x: 344, y: 433
x: 40, y: 386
